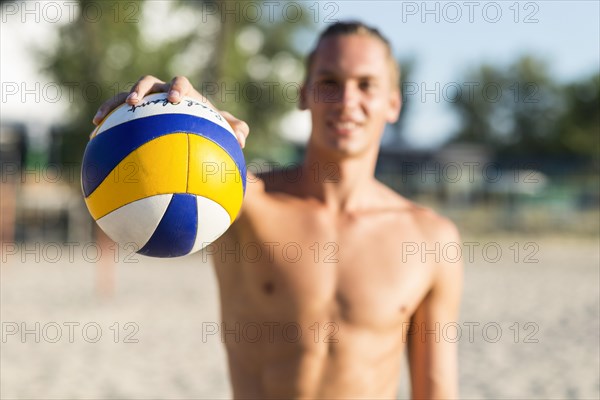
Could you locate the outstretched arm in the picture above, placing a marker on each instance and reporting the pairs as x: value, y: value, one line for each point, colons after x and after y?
x: 433, y: 357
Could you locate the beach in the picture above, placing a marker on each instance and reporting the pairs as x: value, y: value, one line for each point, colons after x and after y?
x: 78, y: 325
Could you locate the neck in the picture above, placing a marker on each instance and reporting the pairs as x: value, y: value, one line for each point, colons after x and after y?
x: 339, y: 182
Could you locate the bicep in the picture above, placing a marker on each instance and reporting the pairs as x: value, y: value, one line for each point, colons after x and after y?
x: 432, y: 342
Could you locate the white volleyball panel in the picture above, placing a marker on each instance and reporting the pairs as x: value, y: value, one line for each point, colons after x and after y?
x: 213, y: 221
x: 157, y: 104
x: 135, y: 222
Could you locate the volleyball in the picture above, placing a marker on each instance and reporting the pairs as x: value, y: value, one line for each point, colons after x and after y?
x: 164, y: 179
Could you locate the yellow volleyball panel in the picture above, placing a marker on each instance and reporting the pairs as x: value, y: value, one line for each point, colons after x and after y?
x: 214, y: 175
x: 157, y: 167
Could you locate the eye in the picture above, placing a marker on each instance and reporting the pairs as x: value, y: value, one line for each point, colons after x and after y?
x: 328, y: 88
x: 328, y: 83
x: 366, y: 84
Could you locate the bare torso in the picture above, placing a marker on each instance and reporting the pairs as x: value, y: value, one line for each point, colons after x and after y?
x: 322, y: 299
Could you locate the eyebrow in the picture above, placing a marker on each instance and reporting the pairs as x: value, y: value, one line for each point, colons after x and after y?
x: 324, y: 72
x: 327, y: 72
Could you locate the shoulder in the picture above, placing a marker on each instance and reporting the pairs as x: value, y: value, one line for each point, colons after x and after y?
x: 266, y: 188
x: 441, y: 236
x: 274, y: 180
x: 434, y: 226
x: 428, y: 223
x: 440, y: 246
x: 431, y: 232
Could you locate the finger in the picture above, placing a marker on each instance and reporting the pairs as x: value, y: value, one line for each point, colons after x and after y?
x: 180, y: 86
x: 146, y: 85
x: 108, y: 106
x: 240, y: 128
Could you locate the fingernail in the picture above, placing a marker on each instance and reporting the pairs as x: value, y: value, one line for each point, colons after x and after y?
x: 132, y: 96
x: 96, y: 117
x: 174, y: 93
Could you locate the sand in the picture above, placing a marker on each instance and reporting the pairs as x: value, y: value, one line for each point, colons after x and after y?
x: 527, y: 329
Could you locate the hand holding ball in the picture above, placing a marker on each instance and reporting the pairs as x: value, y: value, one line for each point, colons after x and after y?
x: 167, y: 178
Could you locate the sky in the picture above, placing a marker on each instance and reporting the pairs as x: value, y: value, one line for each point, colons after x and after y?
x: 445, y: 38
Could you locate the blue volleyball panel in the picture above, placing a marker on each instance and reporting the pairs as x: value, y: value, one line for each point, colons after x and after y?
x: 106, y: 150
x: 175, y: 235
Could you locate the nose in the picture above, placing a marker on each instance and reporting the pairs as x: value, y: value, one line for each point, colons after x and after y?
x: 348, y: 96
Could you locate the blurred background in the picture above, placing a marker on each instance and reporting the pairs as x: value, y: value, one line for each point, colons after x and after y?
x: 500, y: 131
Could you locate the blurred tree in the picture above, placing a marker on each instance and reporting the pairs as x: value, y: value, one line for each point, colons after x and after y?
x: 258, y: 70
x: 522, y: 111
x: 99, y: 55
x: 511, y: 110
x: 579, y: 123
x: 241, y: 57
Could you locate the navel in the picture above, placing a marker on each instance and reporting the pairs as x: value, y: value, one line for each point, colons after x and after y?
x: 342, y: 301
x: 402, y: 308
x: 268, y: 287
x: 331, y: 349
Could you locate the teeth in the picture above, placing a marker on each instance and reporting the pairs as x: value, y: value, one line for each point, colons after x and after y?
x: 345, y: 125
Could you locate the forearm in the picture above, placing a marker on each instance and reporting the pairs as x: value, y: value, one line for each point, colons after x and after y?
x: 431, y: 387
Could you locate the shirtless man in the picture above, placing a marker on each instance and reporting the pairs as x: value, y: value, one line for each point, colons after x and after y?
x: 318, y: 300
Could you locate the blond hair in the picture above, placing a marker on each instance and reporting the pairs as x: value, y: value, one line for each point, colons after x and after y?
x: 355, y: 28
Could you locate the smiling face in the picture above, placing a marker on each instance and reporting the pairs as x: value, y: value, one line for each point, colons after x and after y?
x: 351, y: 94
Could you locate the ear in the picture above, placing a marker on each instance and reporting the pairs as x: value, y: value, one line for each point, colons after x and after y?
x: 395, y: 103
x: 303, y: 96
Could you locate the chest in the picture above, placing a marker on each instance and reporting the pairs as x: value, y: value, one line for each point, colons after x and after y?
x: 354, y: 270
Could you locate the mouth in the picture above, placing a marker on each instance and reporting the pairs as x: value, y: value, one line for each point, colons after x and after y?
x: 343, y: 128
